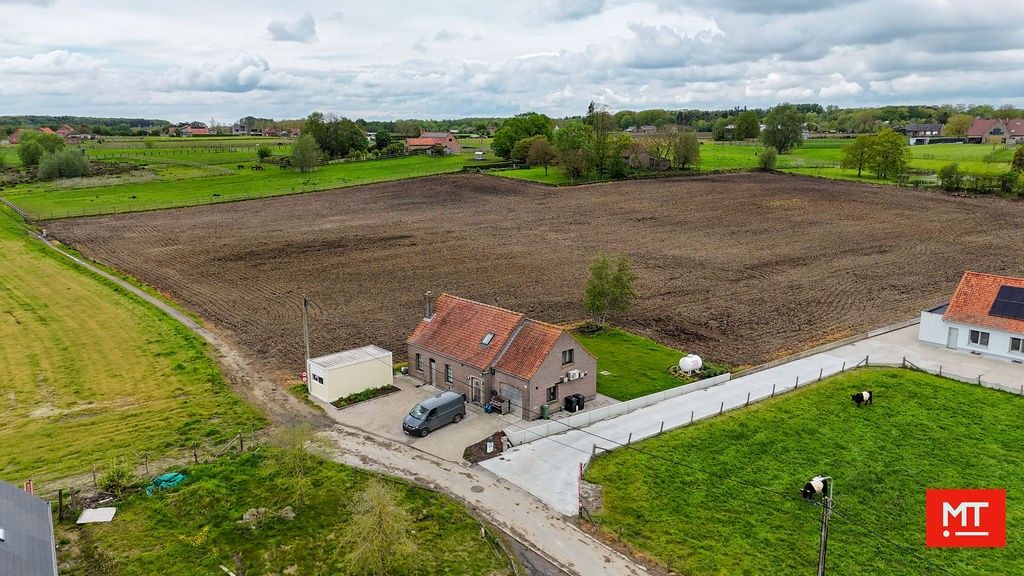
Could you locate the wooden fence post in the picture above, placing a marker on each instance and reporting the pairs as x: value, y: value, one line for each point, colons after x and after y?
x: 60, y: 504
x: 241, y: 443
x: 195, y: 453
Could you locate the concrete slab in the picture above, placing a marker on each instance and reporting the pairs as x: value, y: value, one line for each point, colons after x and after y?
x: 96, y: 515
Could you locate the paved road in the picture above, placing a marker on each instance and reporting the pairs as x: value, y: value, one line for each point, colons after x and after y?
x: 549, y: 468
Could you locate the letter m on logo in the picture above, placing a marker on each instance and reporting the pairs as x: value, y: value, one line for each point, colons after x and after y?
x: 965, y: 518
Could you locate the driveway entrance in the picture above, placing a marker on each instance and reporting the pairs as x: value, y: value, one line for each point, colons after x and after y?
x: 383, y: 417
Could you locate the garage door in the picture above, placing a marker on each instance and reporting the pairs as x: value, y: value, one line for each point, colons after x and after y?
x: 514, y: 395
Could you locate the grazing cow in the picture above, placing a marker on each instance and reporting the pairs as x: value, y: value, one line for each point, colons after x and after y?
x: 817, y: 485
x: 865, y: 397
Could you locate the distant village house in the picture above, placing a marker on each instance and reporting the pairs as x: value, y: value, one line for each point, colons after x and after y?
x: 427, y: 141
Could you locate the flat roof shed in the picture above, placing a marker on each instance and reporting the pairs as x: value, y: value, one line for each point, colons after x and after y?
x: 345, y: 373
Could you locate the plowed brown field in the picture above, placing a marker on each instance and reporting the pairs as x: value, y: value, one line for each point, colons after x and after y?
x: 740, y: 268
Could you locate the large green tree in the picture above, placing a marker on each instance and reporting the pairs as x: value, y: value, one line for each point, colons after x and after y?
x: 572, y: 145
x: 957, y: 125
x: 889, y: 154
x: 685, y: 149
x: 747, y: 125
x: 541, y: 153
x: 518, y: 127
x: 610, y: 287
x: 381, y: 139
x: 305, y: 153
x: 1018, y: 159
x: 379, y: 534
x: 856, y: 154
x: 783, y: 128
x: 336, y: 137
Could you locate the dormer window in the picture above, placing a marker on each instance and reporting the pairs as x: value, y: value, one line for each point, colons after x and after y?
x: 487, y: 339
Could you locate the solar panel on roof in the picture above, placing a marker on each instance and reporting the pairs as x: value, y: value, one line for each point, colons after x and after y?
x: 1009, y: 303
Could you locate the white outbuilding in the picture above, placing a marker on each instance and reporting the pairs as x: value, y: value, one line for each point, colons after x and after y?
x: 344, y: 373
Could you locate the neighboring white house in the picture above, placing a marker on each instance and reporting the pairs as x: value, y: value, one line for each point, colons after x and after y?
x: 344, y: 373
x: 985, y: 316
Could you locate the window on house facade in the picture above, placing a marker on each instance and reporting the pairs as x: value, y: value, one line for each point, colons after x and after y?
x: 553, y: 393
x: 979, y: 338
x: 419, y: 363
x: 449, y: 374
x: 1017, y: 345
x: 567, y: 356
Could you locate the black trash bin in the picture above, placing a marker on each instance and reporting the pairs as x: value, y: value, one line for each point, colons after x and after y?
x: 571, y: 403
x: 581, y: 400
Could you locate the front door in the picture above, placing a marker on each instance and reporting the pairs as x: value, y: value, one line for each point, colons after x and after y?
x: 952, y: 337
x: 432, y: 366
x: 474, y: 389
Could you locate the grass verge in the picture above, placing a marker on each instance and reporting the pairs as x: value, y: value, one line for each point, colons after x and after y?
x: 921, y: 432
x: 636, y: 365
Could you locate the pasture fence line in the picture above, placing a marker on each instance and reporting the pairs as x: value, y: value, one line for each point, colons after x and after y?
x: 144, y: 465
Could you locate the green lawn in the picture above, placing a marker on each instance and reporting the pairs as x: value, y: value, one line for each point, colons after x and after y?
x: 91, y: 372
x: 171, y: 189
x: 922, y: 432
x: 820, y: 157
x: 195, y: 528
x: 636, y: 365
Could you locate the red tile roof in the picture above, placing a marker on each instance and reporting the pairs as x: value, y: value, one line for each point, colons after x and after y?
x: 46, y: 130
x: 426, y: 141
x: 973, y: 299
x: 529, y: 347
x: 458, y: 327
x: 980, y: 127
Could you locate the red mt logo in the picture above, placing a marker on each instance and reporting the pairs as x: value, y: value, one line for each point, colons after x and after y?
x: 965, y: 518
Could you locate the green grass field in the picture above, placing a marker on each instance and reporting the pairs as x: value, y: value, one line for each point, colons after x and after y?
x: 636, y: 365
x: 819, y: 157
x: 175, y: 186
x: 195, y: 528
x: 92, y: 373
x: 922, y: 432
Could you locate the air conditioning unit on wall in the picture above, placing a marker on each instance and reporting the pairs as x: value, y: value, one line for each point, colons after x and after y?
x: 574, y: 374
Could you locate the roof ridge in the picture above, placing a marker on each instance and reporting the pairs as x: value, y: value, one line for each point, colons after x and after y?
x: 482, y: 304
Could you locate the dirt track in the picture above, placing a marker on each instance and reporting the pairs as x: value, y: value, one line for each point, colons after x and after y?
x: 741, y: 268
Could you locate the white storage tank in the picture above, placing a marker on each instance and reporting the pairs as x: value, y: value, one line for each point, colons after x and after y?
x: 690, y: 363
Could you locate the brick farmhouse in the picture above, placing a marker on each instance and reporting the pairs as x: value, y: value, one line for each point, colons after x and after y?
x: 484, y: 352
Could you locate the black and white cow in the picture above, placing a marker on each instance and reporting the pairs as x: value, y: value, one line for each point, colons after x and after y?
x: 817, y: 486
x: 865, y: 397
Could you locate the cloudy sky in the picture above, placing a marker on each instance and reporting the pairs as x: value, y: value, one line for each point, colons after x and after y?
x: 386, y: 59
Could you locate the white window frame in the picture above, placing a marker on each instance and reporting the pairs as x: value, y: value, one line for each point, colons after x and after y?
x: 981, y: 334
x: 572, y: 356
x: 1020, y: 345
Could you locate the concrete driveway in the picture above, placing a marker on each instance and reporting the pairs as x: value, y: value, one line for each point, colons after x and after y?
x: 383, y: 417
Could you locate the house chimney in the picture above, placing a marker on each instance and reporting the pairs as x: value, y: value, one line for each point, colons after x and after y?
x: 428, y: 305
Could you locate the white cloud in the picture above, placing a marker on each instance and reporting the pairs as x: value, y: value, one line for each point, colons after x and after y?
x: 242, y: 73
x: 51, y: 63
x: 40, y: 3
x: 302, y: 30
x: 839, y: 87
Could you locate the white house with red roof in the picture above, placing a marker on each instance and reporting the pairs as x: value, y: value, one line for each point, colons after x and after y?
x: 985, y: 317
x: 428, y: 140
x: 491, y: 354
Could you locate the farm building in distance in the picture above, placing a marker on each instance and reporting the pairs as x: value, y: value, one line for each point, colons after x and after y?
x: 26, y: 534
x: 484, y: 351
x: 985, y: 316
x: 345, y: 373
x: 996, y: 131
x: 427, y: 140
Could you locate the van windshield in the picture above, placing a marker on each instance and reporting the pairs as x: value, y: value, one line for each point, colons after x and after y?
x: 419, y: 412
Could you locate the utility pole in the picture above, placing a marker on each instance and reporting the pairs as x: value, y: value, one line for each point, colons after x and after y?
x: 821, y: 485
